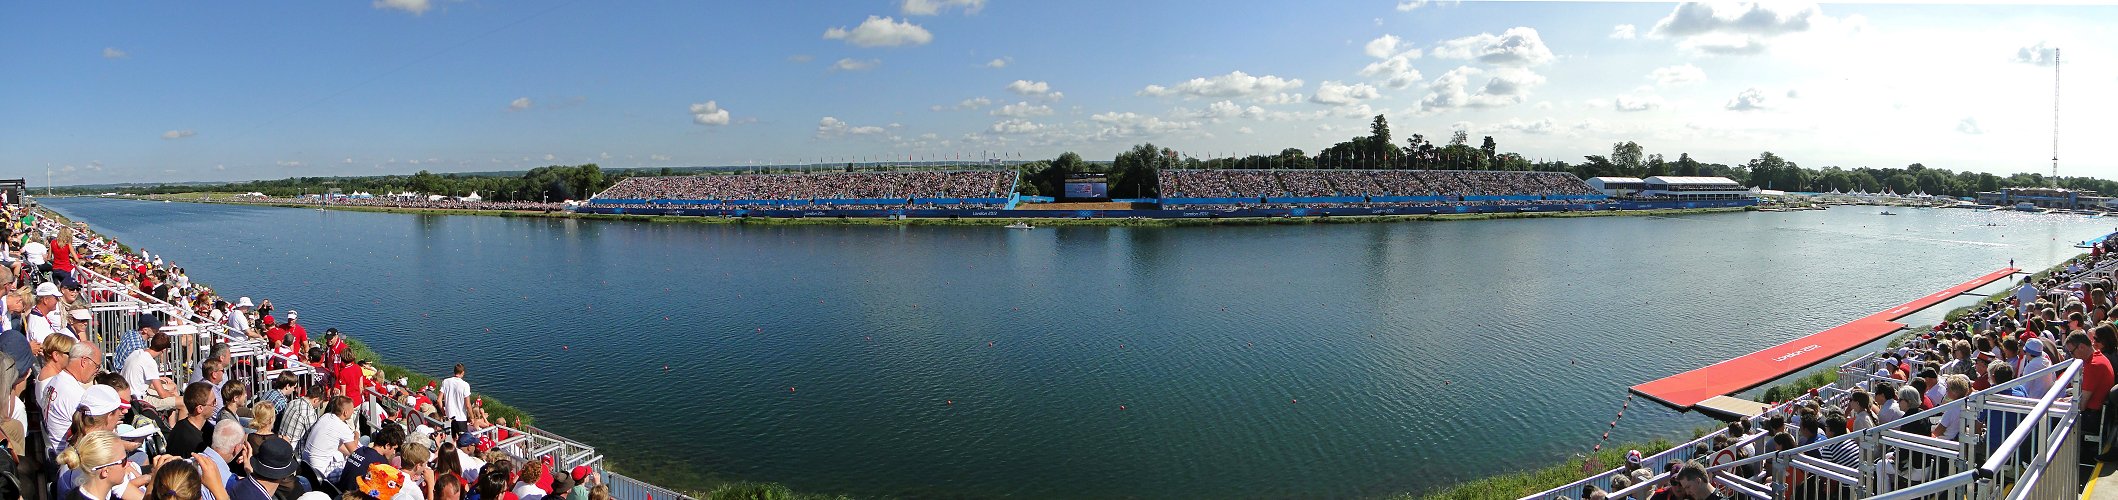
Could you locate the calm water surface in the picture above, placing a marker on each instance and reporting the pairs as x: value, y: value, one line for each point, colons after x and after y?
x: 1296, y: 361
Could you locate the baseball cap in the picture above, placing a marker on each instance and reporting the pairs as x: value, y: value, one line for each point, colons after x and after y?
x: 1632, y: 457
x: 581, y: 473
x: 101, y: 400
x: 128, y: 431
x: 291, y: 315
x: 2033, y: 346
x: 150, y: 321
x: 70, y: 284
x: 81, y: 314
x: 47, y: 290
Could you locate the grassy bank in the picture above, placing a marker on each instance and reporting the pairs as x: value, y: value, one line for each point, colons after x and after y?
x: 1519, y: 484
x: 1048, y: 222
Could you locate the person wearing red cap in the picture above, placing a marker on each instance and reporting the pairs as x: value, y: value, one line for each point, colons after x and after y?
x: 582, y: 476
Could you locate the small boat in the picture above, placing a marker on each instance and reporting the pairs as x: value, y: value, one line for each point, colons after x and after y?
x: 1021, y: 225
x: 1887, y: 212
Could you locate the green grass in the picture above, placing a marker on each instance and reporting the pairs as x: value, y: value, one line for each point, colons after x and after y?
x: 1800, y: 386
x: 493, y: 406
x: 1518, y: 484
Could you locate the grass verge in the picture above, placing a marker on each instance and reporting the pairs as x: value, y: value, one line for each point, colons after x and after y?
x: 1519, y: 484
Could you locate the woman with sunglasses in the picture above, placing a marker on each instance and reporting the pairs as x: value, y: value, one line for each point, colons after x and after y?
x: 101, y: 467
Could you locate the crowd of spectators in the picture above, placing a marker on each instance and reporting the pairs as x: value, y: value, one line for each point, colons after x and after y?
x: 1235, y: 183
x: 819, y: 186
x: 249, y: 409
x: 420, y: 203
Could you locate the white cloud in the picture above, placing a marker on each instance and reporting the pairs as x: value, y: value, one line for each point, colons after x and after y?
x: 1233, y: 84
x: 551, y: 157
x: 1508, y: 86
x: 1336, y: 94
x: 178, y: 134
x: 519, y: 104
x: 1762, y: 19
x: 1383, y: 46
x: 1127, y: 125
x: 416, y: 7
x: 1624, y: 32
x: 1519, y: 46
x: 1282, y: 98
x: 114, y: 53
x: 709, y: 113
x: 1039, y: 90
x: 968, y: 104
x: 1023, y: 109
x: 932, y: 7
x: 831, y: 127
x: 1395, y: 71
x: 1544, y: 126
x: 1244, y: 130
x: 880, y: 31
x: 999, y: 62
x: 1015, y: 126
x: 1735, y: 28
x: 851, y: 64
x: 1410, y: 5
x: 2036, y: 55
x: 1969, y: 125
x: 1677, y: 75
x: 1224, y: 109
x: 1750, y: 99
x: 1636, y: 103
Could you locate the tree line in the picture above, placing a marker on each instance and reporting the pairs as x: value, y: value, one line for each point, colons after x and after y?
x: 1134, y: 170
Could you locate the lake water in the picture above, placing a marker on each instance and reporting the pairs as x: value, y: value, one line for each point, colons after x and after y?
x: 1329, y: 360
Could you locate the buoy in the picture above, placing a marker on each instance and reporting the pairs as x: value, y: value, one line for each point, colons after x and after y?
x: 989, y: 343
x: 790, y: 389
x: 1121, y: 407
x: 951, y: 402
x: 1293, y: 401
x: 563, y: 347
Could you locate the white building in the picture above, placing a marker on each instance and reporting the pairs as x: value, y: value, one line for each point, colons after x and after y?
x: 1695, y: 188
x: 1617, y: 186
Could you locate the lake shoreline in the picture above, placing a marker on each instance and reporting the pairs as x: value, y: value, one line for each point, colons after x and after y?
x: 819, y: 221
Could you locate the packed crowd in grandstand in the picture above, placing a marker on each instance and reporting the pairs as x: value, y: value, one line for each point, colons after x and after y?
x: 825, y: 186
x: 2005, y: 350
x: 1336, y: 183
x: 206, y: 397
x: 431, y: 204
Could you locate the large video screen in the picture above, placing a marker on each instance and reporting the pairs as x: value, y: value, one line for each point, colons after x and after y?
x: 1086, y: 190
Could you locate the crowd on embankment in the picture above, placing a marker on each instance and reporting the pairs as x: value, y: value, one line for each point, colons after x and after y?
x: 2002, y: 353
x: 123, y: 378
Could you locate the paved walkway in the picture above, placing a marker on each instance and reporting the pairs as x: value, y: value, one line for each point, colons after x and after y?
x: 2105, y: 484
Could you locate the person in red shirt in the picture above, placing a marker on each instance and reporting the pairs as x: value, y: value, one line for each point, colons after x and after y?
x: 294, y: 327
x: 276, y: 334
x: 2096, y: 379
x: 351, y: 379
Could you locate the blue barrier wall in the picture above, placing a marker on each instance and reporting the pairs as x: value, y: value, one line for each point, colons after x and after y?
x: 1230, y: 211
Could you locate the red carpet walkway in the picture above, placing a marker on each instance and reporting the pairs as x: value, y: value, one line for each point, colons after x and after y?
x: 1684, y: 390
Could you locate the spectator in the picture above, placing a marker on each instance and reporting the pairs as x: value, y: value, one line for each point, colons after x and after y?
x: 270, y: 464
x: 331, y: 441
x: 188, y: 435
x: 227, y: 446
x: 455, y: 402
x: 143, y: 373
x: 301, y: 414
x: 62, y: 390
x: 381, y: 449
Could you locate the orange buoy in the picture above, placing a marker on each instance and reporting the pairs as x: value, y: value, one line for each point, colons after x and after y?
x: 790, y: 389
x: 951, y: 402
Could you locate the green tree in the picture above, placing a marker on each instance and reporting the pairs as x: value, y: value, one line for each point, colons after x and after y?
x: 1628, y: 157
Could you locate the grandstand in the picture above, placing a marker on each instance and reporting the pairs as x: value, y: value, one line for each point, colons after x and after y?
x: 1220, y: 188
x: 966, y: 189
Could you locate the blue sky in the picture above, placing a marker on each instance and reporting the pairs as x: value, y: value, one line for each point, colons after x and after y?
x: 246, y: 90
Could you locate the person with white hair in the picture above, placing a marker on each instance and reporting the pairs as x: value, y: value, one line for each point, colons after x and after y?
x: 228, y: 445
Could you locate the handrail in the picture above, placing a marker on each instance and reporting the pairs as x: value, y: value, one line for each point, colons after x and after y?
x: 2006, y: 452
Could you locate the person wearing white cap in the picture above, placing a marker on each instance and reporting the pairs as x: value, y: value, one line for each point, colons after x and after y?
x: 2033, y: 359
x: 63, y: 392
x: 80, y: 320
x: 41, y: 322
x: 239, y: 316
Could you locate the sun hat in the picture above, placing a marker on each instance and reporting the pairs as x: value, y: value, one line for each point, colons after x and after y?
x: 244, y: 302
x: 101, y: 400
x: 48, y: 289
x: 273, y: 460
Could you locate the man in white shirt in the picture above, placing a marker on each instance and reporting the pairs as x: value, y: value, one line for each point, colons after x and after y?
x: 2032, y: 360
x: 62, y: 394
x: 144, y: 374
x: 455, y: 401
x: 331, y: 440
x: 42, y: 320
x: 34, y: 252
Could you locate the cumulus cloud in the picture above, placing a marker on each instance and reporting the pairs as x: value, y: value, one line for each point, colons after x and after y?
x: 851, y: 64
x: 998, y: 62
x: 1624, y: 32
x: 1224, y: 109
x: 1544, y: 126
x: 1750, y: 99
x: 1677, y: 75
x: 1735, y: 28
x: 1015, y: 126
x: 1507, y: 86
x: 1233, y: 84
x: 1410, y: 5
x: 968, y: 104
x: 416, y: 7
x: 2037, y: 55
x: 1383, y: 46
x: 1281, y: 98
x: 178, y: 134
x: 519, y: 104
x: 1337, y: 94
x: 1038, y: 90
x: 880, y: 31
x: 709, y: 113
x: 1023, y: 109
x: 1518, y: 46
x: 1969, y: 125
x: 831, y: 127
x: 1127, y: 125
x: 1394, y: 72
x: 113, y: 53
x: 932, y: 7
x: 1636, y: 103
